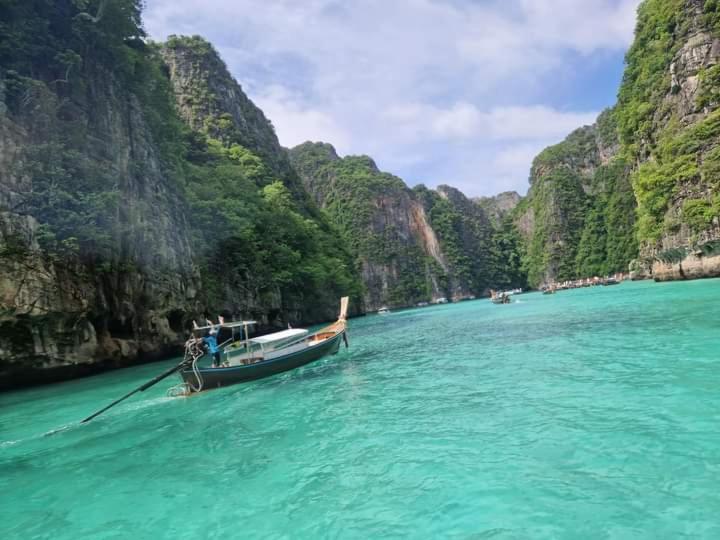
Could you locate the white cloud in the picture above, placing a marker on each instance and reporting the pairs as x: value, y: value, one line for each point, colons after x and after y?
x: 465, y: 121
x: 421, y: 85
x: 536, y: 122
x: 298, y: 123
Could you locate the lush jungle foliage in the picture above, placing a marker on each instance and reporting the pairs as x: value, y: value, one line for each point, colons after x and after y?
x: 64, y: 65
x: 608, y: 244
x: 255, y: 236
x: 482, y: 255
x: 558, y: 204
x: 583, y: 210
x: 639, y: 174
x: 375, y: 209
x: 369, y: 207
x: 680, y: 161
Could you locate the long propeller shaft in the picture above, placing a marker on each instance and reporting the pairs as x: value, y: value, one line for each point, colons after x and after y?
x: 138, y: 389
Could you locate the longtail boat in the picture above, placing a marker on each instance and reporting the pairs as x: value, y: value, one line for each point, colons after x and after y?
x: 262, y: 356
x: 499, y: 298
x: 248, y: 359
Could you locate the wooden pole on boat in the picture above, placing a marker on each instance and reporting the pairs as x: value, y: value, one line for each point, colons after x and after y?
x: 247, y: 343
x: 139, y: 389
x: 343, y: 308
x: 342, y: 318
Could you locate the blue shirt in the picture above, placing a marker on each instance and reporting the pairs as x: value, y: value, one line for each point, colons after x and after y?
x: 212, y: 343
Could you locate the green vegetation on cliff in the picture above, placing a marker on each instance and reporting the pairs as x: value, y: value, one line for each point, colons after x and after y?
x: 582, y: 206
x: 411, y: 245
x: 558, y: 204
x: 253, y: 238
x: 608, y: 243
x: 646, y: 79
x: 671, y: 130
x: 684, y: 160
x: 258, y: 241
x: 261, y: 232
x: 376, y: 214
x: 481, y: 254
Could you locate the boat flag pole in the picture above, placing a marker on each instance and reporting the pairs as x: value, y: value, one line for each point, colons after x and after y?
x: 142, y: 388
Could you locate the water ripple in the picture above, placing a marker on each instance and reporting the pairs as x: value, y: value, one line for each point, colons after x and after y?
x: 588, y: 414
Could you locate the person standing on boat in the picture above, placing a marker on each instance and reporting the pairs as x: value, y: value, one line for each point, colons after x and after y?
x: 211, y: 340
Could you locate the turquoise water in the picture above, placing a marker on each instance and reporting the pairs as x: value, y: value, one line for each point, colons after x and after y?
x: 587, y: 414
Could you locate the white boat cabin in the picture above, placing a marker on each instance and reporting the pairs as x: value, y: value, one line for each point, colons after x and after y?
x: 266, y: 347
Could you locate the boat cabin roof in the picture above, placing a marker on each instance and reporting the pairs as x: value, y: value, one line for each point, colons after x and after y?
x: 227, y: 325
x: 279, y: 336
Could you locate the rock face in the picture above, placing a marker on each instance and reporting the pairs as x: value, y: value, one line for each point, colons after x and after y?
x: 412, y: 246
x: 499, y: 206
x: 467, y: 235
x: 398, y: 253
x: 668, y: 113
x: 62, y: 315
x: 656, y: 155
x: 703, y: 263
x: 101, y: 260
x: 577, y: 219
x: 210, y: 100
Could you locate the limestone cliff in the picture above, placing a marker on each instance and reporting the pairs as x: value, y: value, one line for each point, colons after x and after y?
x: 412, y: 245
x: 577, y: 219
x: 499, y: 206
x: 398, y: 253
x: 670, y: 124
x: 119, y: 224
x: 468, y: 237
x: 656, y: 156
x: 64, y: 310
x: 215, y: 107
x: 211, y: 101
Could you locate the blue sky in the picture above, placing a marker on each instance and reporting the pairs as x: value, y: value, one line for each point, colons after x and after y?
x: 459, y: 92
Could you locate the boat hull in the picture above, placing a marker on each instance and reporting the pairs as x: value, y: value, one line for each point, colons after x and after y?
x: 225, y: 376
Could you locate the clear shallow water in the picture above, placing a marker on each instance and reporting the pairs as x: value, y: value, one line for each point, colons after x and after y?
x: 588, y: 414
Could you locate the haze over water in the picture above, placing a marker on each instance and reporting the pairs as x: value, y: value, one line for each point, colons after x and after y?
x: 587, y: 414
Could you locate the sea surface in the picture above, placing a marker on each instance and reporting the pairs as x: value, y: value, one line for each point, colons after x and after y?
x: 588, y: 414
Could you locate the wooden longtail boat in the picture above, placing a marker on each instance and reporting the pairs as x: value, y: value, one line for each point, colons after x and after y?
x: 247, y: 360
x: 499, y: 298
x: 266, y: 355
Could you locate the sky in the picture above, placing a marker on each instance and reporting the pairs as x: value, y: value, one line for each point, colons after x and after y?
x: 458, y: 92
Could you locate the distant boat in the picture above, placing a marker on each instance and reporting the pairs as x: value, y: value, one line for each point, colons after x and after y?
x: 383, y: 311
x: 500, y: 298
x: 511, y: 292
x: 441, y: 300
x: 422, y: 304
